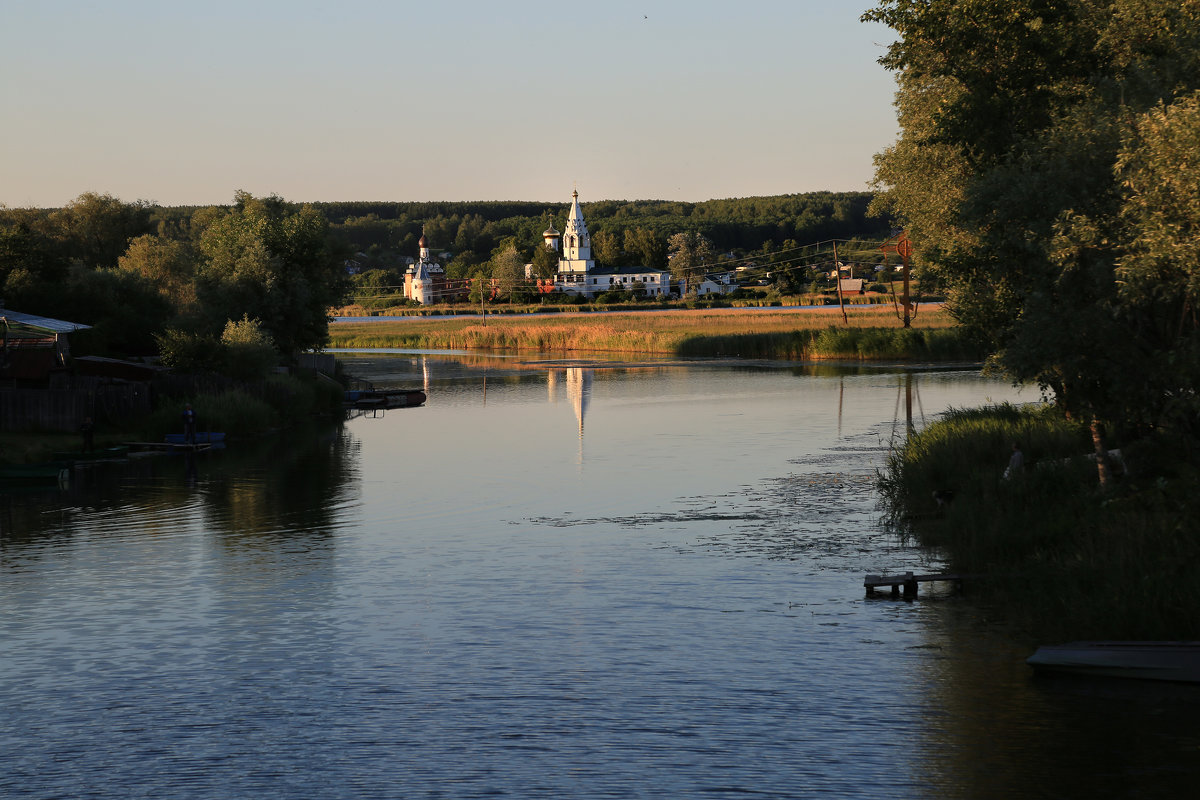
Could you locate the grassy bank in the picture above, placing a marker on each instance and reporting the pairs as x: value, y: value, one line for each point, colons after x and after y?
x: 1067, y: 561
x: 872, y: 333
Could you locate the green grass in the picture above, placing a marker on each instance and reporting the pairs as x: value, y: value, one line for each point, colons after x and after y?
x: 1067, y: 560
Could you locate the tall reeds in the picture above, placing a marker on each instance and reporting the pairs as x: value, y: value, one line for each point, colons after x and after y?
x: 874, y: 334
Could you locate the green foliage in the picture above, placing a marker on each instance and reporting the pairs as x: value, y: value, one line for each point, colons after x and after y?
x: 96, y: 229
x: 248, y: 351
x: 508, y: 271
x: 1045, y: 174
x: 545, y: 261
x: 273, y: 261
x: 169, y: 264
x: 189, y: 351
x: 690, y: 256
x: 1065, y: 559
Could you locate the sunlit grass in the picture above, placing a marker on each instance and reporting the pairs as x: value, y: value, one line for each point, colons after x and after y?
x: 872, y: 333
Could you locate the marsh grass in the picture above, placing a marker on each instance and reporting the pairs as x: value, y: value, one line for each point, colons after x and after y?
x: 874, y: 333
x: 1067, y: 560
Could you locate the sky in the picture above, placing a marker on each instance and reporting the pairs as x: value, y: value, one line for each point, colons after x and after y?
x: 185, y: 103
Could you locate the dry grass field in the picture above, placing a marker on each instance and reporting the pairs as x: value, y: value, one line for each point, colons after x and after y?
x: 677, y: 332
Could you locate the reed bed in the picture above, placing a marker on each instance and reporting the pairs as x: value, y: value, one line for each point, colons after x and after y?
x: 873, y: 333
x: 1066, y: 560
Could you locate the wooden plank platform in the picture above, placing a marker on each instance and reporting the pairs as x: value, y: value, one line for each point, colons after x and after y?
x: 169, y: 446
x: 908, y: 582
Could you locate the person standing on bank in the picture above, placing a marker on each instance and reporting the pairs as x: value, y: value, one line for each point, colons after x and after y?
x: 189, y: 424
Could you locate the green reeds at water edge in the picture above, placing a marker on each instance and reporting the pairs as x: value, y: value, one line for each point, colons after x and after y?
x: 1067, y: 561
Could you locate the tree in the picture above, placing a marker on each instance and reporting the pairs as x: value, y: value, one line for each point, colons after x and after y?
x: 96, y: 228
x: 1016, y: 118
x: 545, y: 261
x: 508, y: 270
x: 168, y: 264
x: 606, y: 246
x: 271, y: 261
x: 691, y: 256
x: 645, y: 245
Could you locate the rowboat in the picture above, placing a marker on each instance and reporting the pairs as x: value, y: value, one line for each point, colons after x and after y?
x: 52, y: 472
x: 1155, y: 661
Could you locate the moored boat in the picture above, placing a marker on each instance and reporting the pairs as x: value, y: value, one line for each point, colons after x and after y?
x: 1156, y: 661
x: 50, y: 472
x: 382, y: 398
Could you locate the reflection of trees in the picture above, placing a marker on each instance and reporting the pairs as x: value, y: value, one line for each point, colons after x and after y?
x: 293, y: 492
x: 1000, y: 732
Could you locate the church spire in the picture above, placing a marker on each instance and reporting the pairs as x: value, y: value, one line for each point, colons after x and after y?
x: 577, y: 244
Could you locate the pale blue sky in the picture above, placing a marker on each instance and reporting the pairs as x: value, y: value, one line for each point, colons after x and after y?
x: 184, y: 103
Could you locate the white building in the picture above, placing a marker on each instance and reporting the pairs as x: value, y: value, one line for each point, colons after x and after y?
x: 425, y: 279
x: 578, y: 273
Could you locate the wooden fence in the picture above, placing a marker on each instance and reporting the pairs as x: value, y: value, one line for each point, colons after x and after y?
x: 64, y: 407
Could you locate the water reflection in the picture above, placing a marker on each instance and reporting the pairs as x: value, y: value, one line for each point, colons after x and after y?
x: 452, y: 601
x: 297, y: 487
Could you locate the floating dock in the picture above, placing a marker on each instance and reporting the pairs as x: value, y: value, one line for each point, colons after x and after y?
x: 908, y: 582
x: 169, y: 447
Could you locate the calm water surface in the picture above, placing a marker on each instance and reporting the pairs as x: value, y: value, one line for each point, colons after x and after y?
x: 550, y: 581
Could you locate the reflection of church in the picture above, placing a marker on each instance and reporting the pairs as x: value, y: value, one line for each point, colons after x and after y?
x: 578, y: 273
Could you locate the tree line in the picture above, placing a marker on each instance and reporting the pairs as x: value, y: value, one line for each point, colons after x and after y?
x: 232, y: 288
x: 258, y: 276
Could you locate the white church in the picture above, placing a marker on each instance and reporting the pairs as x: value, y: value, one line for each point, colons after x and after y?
x: 578, y: 273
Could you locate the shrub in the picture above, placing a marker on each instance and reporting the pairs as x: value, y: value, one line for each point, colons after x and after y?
x: 187, y: 351
x: 249, y: 352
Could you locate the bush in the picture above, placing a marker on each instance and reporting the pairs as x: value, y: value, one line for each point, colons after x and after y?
x: 1066, y: 559
x: 249, y: 353
x: 187, y: 351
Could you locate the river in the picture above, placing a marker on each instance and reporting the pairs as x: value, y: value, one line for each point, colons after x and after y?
x: 554, y: 580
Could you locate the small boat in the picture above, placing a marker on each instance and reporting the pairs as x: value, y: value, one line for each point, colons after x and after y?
x: 201, y: 437
x: 50, y: 472
x: 1155, y: 661
x: 383, y: 398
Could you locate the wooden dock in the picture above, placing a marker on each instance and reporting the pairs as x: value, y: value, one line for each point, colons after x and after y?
x: 169, y: 447
x: 908, y: 582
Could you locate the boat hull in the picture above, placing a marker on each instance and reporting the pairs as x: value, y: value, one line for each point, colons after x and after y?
x: 385, y: 399
x: 1155, y: 661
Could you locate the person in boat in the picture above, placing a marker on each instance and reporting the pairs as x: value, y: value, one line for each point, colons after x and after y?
x: 88, y: 431
x: 189, y: 424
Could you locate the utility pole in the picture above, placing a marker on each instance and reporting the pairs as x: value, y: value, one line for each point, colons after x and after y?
x: 837, y: 271
x: 901, y: 246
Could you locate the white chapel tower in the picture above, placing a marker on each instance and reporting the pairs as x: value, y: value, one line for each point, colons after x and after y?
x: 577, y: 244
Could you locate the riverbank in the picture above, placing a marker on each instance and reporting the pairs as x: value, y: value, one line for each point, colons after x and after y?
x: 873, y: 333
x: 1066, y: 560
x: 244, y: 411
